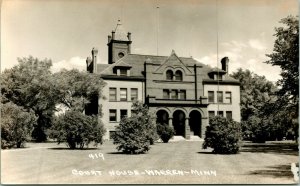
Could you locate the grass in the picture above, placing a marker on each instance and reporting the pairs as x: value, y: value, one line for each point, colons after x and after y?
x: 50, y: 163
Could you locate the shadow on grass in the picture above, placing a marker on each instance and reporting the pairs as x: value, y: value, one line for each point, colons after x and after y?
x: 276, y: 148
x: 278, y: 171
x: 66, y: 148
x: 122, y: 153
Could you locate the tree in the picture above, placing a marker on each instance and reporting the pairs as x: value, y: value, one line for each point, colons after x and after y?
x: 31, y: 86
x: 286, y: 56
x: 78, y: 89
x: 135, y: 134
x: 222, y: 135
x: 255, y: 92
x: 262, y: 117
x: 165, y: 132
x: 77, y: 129
x: 16, y: 125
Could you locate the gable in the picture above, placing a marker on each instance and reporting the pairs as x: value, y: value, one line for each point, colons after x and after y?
x: 173, y: 61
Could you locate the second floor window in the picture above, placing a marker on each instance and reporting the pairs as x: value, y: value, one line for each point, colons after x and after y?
x: 166, y: 94
x: 220, y: 97
x: 178, y: 75
x: 174, y: 94
x: 227, y: 97
x: 211, y: 96
x: 112, y: 94
x: 169, y: 75
x: 123, y: 94
x: 182, y: 94
x: 112, y: 115
x: 134, y: 94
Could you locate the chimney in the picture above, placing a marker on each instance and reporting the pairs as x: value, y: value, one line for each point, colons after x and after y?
x: 109, y: 39
x: 113, y: 35
x: 94, y: 59
x: 88, y: 64
x: 129, y: 36
x: 224, y: 62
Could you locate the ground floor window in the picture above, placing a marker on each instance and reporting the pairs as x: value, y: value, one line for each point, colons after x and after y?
x: 229, y: 114
x: 123, y: 113
x: 211, y: 114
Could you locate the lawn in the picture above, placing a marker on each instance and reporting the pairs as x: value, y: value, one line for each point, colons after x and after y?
x: 175, y: 162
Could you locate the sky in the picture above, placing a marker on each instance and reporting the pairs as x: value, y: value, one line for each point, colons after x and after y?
x: 208, y: 30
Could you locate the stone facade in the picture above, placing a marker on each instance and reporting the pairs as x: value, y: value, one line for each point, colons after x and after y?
x: 182, y: 92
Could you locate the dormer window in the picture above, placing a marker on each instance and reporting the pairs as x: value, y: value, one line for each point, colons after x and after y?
x: 178, y: 75
x: 169, y: 75
x: 123, y: 72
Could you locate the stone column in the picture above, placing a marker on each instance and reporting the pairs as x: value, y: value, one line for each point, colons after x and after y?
x: 171, y: 123
x: 187, y: 130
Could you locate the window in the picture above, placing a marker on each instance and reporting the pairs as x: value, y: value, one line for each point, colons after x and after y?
x: 221, y: 113
x: 112, y: 94
x: 169, y: 75
x: 134, y: 94
x: 211, y: 96
x: 227, y: 97
x: 178, y: 75
x: 112, y: 115
x: 174, y: 94
x: 182, y: 94
x: 229, y: 114
x: 219, y: 76
x: 123, y: 94
x: 166, y: 94
x: 123, y: 113
x: 220, y: 97
x: 123, y: 72
x: 211, y: 114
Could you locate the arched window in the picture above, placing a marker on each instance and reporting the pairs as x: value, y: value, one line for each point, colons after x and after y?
x: 178, y: 75
x: 169, y: 75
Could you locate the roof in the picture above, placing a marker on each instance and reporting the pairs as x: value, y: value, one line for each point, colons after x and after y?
x: 136, y: 61
x: 120, y: 33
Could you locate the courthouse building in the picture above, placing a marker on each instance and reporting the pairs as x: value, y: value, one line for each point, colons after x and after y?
x: 182, y: 92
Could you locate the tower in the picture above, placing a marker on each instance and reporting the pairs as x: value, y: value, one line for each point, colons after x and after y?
x: 119, y: 44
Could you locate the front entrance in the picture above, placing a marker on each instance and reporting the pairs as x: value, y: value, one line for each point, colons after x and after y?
x: 179, y: 122
x: 195, y: 123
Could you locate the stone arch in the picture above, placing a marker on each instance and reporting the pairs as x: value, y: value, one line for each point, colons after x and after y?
x: 162, y: 117
x: 179, y: 117
x: 195, y: 122
x: 203, y: 114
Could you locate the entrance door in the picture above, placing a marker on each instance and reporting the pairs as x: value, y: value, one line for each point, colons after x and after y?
x: 178, y: 122
x: 195, y: 123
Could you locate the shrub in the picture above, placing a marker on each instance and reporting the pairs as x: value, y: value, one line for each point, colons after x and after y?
x: 135, y: 134
x: 222, y: 135
x: 165, y: 132
x: 77, y: 129
x: 16, y: 125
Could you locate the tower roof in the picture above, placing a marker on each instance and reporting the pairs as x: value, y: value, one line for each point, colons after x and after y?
x: 120, y: 33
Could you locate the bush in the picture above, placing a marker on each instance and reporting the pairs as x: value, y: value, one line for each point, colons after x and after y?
x: 165, y: 132
x: 135, y: 134
x: 222, y: 135
x: 77, y: 129
x: 16, y: 125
